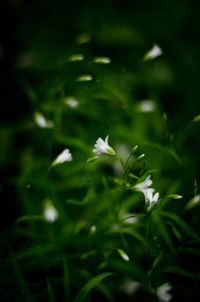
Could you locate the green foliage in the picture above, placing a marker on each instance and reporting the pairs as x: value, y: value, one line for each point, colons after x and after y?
x: 100, y: 157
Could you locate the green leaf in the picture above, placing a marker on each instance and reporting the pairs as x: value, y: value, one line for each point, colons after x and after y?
x: 106, y: 292
x: 130, y: 232
x: 178, y: 271
x: 90, y: 285
x: 163, y: 231
x: 77, y: 202
x: 196, y: 118
x: 181, y: 223
x: 29, y: 217
x: 51, y: 297
x: 195, y: 187
x: 66, y: 280
x: 20, y: 280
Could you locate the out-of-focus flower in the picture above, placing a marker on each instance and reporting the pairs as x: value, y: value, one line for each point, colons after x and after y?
x: 130, y: 287
x: 144, y: 184
x: 41, y: 121
x: 64, y: 156
x: 130, y: 218
x: 193, y: 202
x: 146, y: 106
x: 50, y: 212
x: 102, y: 147
x: 163, y: 292
x: 153, y: 53
x: 71, y: 102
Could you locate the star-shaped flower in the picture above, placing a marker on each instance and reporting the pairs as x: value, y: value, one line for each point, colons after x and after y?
x: 102, y: 147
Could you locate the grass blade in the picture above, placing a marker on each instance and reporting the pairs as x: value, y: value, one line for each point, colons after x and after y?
x: 90, y: 285
x: 51, y: 297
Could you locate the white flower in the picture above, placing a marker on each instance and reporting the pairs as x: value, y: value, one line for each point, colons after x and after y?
x: 50, y: 213
x: 102, y: 147
x: 144, y: 185
x: 130, y: 287
x: 41, y: 121
x: 163, y: 292
x: 64, y: 156
x: 153, y: 53
x: 150, y: 197
x: 146, y: 106
x: 71, y: 102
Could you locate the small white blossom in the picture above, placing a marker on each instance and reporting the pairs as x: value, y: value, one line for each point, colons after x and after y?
x: 41, y: 121
x: 153, y: 53
x: 163, y: 292
x: 130, y: 287
x: 146, y: 106
x: 150, y: 198
x: 64, y: 156
x: 196, y: 199
x: 102, y: 147
x: 144, y: 184
x: 93, y: 229
x: 71, y: 102
x: 50, y: 212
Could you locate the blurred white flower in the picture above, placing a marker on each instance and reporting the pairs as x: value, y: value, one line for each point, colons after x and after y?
x: 41, y: 121
x: 50, y: 212
x: 102, y: 147
x: 153, y: 53
x: 130, y: 218
x: 146, y: 106
x: 193, y: 202
x: 93, y: 229
x: 144, y: 184
x: 130, y: 287
x: 163, y: 292
x: 64, y: 156
x: 71, y: 102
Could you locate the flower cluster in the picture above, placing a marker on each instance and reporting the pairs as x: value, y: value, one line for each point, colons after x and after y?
x: 150, y: 198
